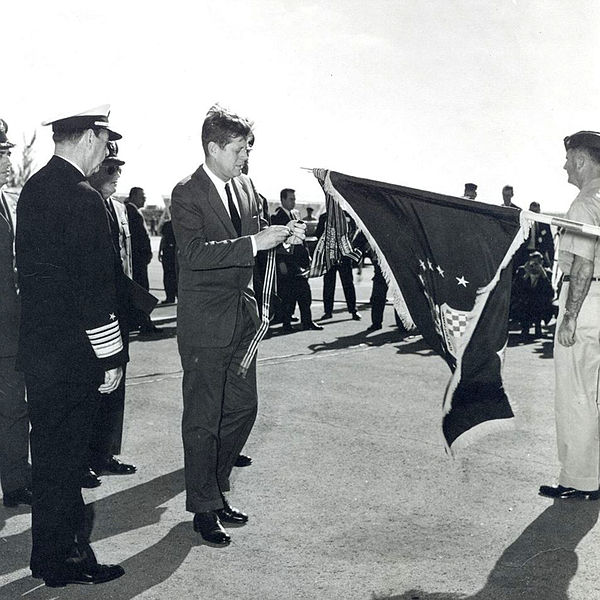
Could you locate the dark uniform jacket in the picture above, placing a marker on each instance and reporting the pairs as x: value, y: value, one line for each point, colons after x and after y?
x: 9, y: 298
x: 67, y: 276
x: 215, y: 265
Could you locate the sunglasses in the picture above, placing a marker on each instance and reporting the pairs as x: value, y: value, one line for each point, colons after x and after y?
x: 112, y: 169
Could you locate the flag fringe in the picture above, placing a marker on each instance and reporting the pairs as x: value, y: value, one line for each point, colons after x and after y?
x: 478, y: 432
x: 394, y: 288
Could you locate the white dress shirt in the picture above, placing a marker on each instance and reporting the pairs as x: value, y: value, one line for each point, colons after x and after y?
x: 220, y: 186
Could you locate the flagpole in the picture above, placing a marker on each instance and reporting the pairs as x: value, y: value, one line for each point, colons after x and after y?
x: 575, y: 226
x: 560, y: 222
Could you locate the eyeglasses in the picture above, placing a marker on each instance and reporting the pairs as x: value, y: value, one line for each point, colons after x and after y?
x: 5, y: 153
x: 112, y: 169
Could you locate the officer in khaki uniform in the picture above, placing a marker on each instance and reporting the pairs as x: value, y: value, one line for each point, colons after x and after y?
x: 577, y: 343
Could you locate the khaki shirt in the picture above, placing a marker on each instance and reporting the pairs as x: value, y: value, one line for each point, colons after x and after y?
x: 585, y: 209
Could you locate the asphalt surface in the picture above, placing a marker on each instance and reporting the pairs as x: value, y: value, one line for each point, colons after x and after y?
x: 350, y: 494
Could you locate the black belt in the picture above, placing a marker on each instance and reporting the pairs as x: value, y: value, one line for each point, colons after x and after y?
x: 568, y: 278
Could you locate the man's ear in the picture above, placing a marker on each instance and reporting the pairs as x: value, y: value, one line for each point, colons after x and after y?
x: 213, y: 147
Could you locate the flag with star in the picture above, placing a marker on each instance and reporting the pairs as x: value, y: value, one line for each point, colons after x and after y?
x: 447, y: 261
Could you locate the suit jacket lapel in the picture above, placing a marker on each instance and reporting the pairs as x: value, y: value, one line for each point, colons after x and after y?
x: 214, y: 201
x: 244, y: 204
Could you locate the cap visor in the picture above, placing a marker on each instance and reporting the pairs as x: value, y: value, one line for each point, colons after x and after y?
x: 113, y: 136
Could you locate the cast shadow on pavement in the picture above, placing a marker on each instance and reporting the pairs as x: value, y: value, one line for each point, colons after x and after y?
x: 538, y: 565
x: 359, y: 338
x: 130, y: 509
x: 162, y: 334
x: 143, y: 571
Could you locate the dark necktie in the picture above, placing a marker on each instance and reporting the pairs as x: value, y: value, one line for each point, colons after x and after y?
x: 233, y: 211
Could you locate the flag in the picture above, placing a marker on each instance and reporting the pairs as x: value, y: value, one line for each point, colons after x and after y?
x: 447, y: 262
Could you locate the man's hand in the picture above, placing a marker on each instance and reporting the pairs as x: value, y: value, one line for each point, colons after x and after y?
x: 112, y: 378
x: 271, y: 236
x: 297, y: 232
x: 566, y: 331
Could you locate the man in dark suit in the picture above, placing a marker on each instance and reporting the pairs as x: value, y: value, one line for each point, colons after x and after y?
x: 218, y: 231
x: 141, y: 254
x: 541, y: 238
x: 293, y: 263
x: 15, y: 472
x: 344, y: 268
x: 70, y: 344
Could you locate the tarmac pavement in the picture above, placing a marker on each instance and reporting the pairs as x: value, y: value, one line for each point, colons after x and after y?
x: 350, y: 495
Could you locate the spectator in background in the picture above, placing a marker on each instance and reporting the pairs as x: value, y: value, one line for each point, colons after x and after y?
x: 293, y: 264
x: 15, y: 472
x: 141, y: 255
x: 532, y: 295
x: 540, y: 238
x: 507, y: 196
x: 167, y: 255
x: 470, y: 191
x: 344, y: 268
x: 107, y: 431
x: 309, y: 214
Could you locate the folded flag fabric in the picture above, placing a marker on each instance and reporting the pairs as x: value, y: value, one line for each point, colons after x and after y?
x: 447, y: 262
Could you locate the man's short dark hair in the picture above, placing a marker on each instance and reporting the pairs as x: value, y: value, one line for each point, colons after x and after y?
x: 593, y: 153
x: 134, y: 191
x: 284, y: 193
x: 221, y: 126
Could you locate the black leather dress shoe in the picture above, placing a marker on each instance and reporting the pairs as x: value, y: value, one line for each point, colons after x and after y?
x: 356, y: 316
x: 16, y: 497
x: 566, y: 493
x: 374, y: 327
x: 312, y: 326
x: 242, y: 461
x: 90, y: 479
x: 84, y: 575
x: 116, y: 467
x: 287, y: 327
x: 228, y: 514
x: 208, y: 525
x: 326, y: 316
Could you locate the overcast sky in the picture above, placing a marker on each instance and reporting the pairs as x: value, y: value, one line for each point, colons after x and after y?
x: 424, y: 93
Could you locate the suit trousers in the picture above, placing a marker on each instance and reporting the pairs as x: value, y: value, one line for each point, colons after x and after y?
x: 219, y: 410
x: 577, y: 370
x: 61, y: 414
x: 15, y: 472
x: 291, y: 290
x: 378, y: 295
x: 107, y: 432
x: 344, y: 267
x: 169, y: 265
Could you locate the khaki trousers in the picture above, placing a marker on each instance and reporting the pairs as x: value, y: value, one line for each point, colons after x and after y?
x: 577, y: 372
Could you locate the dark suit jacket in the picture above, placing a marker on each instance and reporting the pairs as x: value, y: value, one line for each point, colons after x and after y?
x: 141, y: 250
x: 9, y: 299
x: 296, y: 258
x: 67, y: 278
x: 215, y: 265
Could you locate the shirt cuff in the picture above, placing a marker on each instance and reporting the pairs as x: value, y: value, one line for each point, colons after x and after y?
x: 253, y: 245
